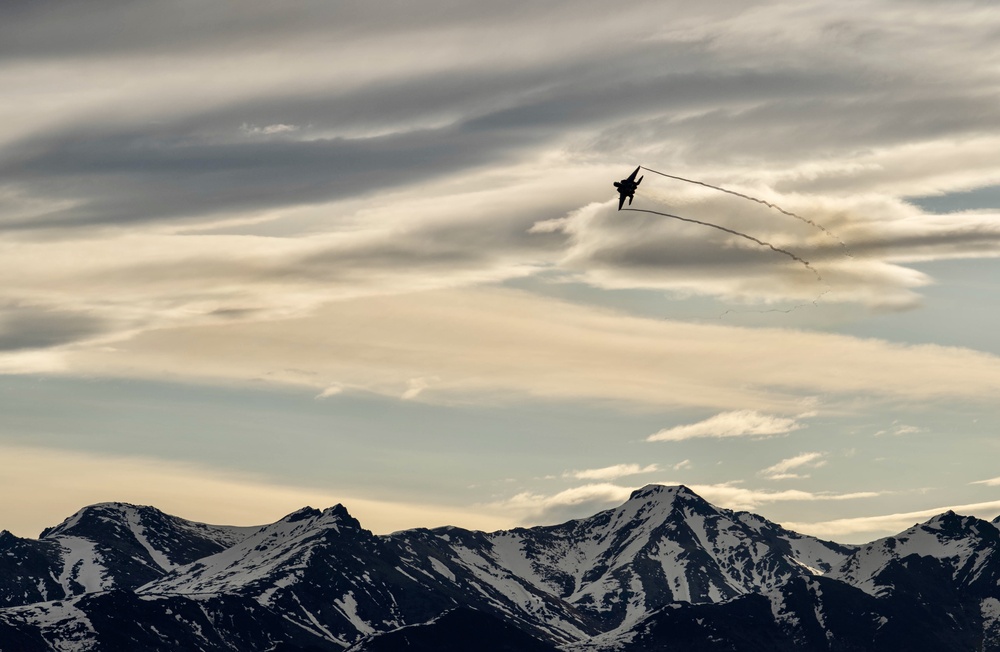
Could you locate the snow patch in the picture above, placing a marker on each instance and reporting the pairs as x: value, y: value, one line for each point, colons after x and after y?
x: 64, y: 627
x: 990, y: 610
x: 441, y: 569
x: 348, y: 606
x: 82, y: 565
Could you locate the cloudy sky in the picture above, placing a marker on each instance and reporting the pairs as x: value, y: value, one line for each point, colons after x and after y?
x: 259, y: 255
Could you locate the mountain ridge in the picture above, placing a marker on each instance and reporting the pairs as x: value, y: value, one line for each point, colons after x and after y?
x: 664, y: 568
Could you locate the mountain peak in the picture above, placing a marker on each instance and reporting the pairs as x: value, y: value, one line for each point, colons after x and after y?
x: 302, y: 514
x: 342, y: 516
x: 951, y: 522
x: 656, y: 502
x: 98, y: 515
x: 660, y: 491
x: 647, y: 491
x: 336, y: 516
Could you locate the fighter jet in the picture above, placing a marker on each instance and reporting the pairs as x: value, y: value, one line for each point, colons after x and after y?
x: 626, y: 188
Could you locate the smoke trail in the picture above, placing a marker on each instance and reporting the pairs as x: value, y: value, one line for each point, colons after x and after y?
x: 822, y: 228
x: 762, y: 243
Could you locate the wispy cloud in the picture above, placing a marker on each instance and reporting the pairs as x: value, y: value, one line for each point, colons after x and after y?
x: 612, y: 472
x: 332, y: 390
x: 269, y: 130
x: 859, y: 529
x: 584, y: 500
x: 532, y: 508
x: 732, y: 496
x: 491, y: 344
x: 899, y: 430
x: 782, y: 470
x: 739, y: 423
x: 415, y: 386
x: 612, y: 251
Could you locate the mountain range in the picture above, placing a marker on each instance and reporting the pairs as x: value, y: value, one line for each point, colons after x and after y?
x: 666, y: 570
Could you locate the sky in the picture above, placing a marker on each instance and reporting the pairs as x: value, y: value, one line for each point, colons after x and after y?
x: 258, y: 256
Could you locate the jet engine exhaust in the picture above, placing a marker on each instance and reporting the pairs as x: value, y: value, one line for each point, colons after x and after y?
x: 779, y: 250
x: 822, y: 228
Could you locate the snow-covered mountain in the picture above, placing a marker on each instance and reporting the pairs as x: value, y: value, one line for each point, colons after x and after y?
x: 965, y: 545
x: 103, y: 547
x: 664, y: 545
x: 665, y: 570
x: 320, y: 570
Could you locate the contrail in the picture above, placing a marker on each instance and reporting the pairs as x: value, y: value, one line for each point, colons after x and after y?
x: 822, y: 228
x: 805, y: 263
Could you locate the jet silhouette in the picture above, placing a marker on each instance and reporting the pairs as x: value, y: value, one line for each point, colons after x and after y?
x: 626, y: 188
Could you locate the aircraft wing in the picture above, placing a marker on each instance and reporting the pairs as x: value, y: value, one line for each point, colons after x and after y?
x: 631, y: 177
x: 621, y: 200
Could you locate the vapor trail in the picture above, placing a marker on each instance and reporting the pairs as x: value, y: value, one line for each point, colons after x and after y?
x: 805, y: 263
x: 822, y: 228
